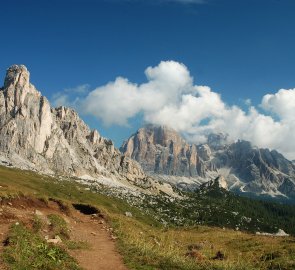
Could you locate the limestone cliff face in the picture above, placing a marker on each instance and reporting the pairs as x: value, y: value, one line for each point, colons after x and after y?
x: 162, y: 150
x: 54, y: 140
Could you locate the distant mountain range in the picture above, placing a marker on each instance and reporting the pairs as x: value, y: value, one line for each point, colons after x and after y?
x: 165, y: 155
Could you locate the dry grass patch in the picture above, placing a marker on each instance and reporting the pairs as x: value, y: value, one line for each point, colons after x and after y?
x: 147, y: 247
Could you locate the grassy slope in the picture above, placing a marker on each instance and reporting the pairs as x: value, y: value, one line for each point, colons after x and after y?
x: 146, y: 245
x: 27, y: 249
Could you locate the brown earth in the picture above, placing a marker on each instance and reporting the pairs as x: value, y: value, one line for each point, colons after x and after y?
x: 93, y: 229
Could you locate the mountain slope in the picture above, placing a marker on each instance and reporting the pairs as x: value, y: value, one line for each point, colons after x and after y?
x: 146, y: 244
x: 54, y: 140
x: 166, y: 155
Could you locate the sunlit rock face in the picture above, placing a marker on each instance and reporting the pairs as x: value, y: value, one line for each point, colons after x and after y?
x: 162, y: 150
x: 163, y: 153
x: 54, y: 140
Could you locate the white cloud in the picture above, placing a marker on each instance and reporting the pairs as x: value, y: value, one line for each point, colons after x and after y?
x: 69, y: 96
x: 281, y: 104
x: 169, y: 97
x: 248, y: 102
x: 120, y: 100
x: 60, y: 99
x: 113, y: 103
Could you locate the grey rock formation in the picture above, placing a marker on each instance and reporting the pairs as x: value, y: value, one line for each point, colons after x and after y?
x: 161, y: 151
x: 261, y: 170
x: 217, y: 183
x: 54, y: 140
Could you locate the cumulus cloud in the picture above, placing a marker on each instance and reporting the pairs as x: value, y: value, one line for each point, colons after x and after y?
x: 170, y: 97
x: 120, y: 100
x: 281, y: 104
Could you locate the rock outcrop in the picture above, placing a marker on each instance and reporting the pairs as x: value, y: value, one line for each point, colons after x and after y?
x: 54, y: 140
x: 163, y: 153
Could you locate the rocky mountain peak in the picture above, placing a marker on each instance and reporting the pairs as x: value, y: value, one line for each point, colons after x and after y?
x: 217, y: 140
x: 162, y: 150
x: 55, y: 140
x: 150, y: 135
x: 16, y: 88
x: 163, y: 135
x: 17, y: 74
x: 166, y: 155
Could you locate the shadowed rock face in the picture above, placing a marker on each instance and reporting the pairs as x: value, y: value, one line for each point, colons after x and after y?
x: 162, y: 151
x: 54, y: 140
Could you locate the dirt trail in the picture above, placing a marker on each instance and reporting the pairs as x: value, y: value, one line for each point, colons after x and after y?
x: 101, y: 254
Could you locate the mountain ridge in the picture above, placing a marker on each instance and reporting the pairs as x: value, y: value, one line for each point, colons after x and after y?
x: 245, y: 168
x: 50, y: 140
x: 36, y: 136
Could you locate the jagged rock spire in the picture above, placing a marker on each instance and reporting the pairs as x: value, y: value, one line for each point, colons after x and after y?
x: 17, y: 75
x: 16, y: 87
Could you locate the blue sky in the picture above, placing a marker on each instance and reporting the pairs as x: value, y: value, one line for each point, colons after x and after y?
x: 242, y: 49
